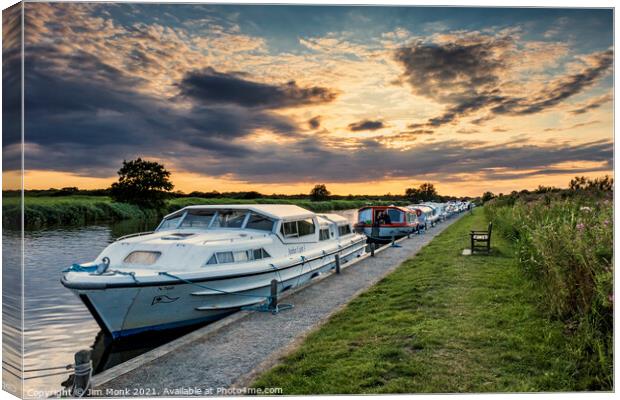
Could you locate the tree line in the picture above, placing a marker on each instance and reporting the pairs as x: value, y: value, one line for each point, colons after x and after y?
x: 147, y: 184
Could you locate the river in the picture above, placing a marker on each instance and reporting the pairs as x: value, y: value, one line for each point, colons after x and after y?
x: 56, y: 323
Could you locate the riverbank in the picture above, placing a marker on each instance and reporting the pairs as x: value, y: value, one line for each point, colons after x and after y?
x: 40, y: 212
x: 440, y: 323
x: 231, y: 351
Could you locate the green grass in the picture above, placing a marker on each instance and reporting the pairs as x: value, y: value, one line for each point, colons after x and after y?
x: 80, y: 210
x: 442, y: 322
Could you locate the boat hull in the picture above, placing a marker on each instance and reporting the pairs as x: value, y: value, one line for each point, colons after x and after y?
x: 129, y: 310
x: 387, y: 233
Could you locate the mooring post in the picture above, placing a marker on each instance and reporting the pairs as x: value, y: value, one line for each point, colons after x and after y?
x: 393, y: 241
x: 273, y: 298
x: 372, y: 249
x: 337, y: 257
x: 82, y: 373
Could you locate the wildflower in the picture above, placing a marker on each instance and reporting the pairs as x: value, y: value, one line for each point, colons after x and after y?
x: 584, y: 208
x: 580, y: 226
x: 606, y: 222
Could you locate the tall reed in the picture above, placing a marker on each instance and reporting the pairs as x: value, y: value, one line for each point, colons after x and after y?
x: 566, y: 246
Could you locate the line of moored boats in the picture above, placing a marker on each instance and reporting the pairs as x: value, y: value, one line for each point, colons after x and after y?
x: 204, y: 262
x: 383, y: 223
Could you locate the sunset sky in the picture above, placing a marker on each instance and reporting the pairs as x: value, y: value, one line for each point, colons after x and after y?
x: 367, y: 100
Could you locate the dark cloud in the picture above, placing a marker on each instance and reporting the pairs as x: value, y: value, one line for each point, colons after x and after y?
x: 89, y: 126
x: 449, y: 71
x: 11, y: 82
x: 467, y: 77
x: 366, y: 125
x: 447, y: 159
x: 314, y: 122
x: 592, y: 104
x: 211, y: 87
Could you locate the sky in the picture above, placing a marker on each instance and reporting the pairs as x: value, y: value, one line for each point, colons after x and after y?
x: 367, y: 100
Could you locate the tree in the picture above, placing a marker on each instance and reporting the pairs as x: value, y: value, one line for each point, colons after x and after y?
x: 426, y: 192
x: 141, y: 182
x: 487, y: 196
x: 319, y: 193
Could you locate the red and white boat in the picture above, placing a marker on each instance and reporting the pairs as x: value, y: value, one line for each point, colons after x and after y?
x: 383, y: 223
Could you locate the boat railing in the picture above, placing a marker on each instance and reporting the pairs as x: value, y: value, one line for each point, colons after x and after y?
x: 134, y: 235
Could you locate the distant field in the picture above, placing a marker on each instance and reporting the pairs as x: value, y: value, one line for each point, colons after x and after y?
x: 80, y: 210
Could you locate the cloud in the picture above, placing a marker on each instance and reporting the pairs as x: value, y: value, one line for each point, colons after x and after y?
x: 366, y: 125
x: 475, y: 73
x: 314, y: 122
x: 574, y: 126
x: 211, y: 87
x: 592, y: 104
x: 447, y: 159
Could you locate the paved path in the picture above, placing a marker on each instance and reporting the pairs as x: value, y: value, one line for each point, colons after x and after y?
x: 230, y: 354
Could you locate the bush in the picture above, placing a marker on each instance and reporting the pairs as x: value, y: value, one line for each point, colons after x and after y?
x: 566, y: 246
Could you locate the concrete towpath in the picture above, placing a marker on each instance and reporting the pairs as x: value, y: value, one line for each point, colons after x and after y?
x: 224, y: 357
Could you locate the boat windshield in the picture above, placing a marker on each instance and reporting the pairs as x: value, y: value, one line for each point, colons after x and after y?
x: 229, y: 219
x: 213, y: 219
x: 198, y: 219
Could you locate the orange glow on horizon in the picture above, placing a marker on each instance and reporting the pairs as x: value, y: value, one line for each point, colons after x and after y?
x: 189, y: 182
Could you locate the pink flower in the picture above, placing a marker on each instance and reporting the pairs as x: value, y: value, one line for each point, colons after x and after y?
x: 606, y: 222
x: 580, y: 226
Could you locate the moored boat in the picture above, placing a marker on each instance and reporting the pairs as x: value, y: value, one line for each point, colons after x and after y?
x: 384, y: 223
x: 204, y: 262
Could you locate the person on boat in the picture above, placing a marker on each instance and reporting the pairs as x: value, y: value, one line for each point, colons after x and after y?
x: 376, y: 224
x: 386, y: 218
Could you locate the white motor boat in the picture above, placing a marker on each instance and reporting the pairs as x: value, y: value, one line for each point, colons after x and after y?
x: 204, y: 262
x: 428, y: 215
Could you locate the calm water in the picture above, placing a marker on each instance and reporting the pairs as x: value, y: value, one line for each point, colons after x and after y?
x: 56, y: 323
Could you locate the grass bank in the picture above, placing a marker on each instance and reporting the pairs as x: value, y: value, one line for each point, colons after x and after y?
x: 565, y: 245
x: 442, y: 322
x: 80, y: 210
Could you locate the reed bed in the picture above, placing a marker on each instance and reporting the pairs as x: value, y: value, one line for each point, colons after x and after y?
x: 566, y: 246
x: 40, y: 212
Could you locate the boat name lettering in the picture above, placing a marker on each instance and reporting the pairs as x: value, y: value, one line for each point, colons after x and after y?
x: 296, y: 250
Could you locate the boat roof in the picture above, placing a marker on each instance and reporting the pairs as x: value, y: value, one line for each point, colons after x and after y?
x: 275, y: 211
x: 338, y: 219
x: 385, y: 207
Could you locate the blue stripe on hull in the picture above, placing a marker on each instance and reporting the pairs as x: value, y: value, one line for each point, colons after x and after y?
x: 170, y: 325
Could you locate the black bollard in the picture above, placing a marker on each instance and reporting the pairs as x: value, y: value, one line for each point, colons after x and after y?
x: 337, y: 257
x: 82, y: 373
x: 372, y: 249
x: 273, y: 299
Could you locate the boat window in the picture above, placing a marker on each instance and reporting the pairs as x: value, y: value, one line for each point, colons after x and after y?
x: 170, y: 222
x: 365, y: 216
x: 238, y: 256
x: 324, y: 234
x: 198, y: 219
x: 298, y: 228
x: 242, y: 256
x: 395, y: 215
x: 225, y: 257
x: 229, y: 219
x: 259, y: 222
x: 289, y: 229
x: 344, y: 230
x: 305, y: 227
x: 142, y: 257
